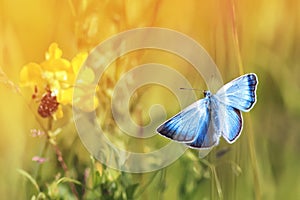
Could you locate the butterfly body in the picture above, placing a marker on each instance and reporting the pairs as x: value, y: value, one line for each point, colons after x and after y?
x: 201, y: 124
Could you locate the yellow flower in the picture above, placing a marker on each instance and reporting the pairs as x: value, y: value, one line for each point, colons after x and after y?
x: 53, y: 81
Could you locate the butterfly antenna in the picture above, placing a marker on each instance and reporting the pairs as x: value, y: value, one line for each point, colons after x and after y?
x: 190, y: 89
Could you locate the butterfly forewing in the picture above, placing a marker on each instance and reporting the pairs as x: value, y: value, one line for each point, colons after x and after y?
x: 188, y: 124
x: 239, y: 93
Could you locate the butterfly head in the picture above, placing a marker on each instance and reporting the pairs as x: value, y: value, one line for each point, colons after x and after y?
x: 206, y: 93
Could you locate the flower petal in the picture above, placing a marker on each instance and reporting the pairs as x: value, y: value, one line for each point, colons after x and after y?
x: 31, y: 74
x: 78, y: 60
x: 58, y: 114
x: 86, y: 76
x: 53, y: 52
x: 56, y: 65
x: 65, y: 96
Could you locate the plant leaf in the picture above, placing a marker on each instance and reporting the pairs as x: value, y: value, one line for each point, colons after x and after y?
x: 66, y: 179
x: 30, y: 178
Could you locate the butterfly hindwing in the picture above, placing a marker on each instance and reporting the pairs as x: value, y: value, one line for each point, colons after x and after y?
x: 240, y: 93
x: 188, y: 124
x: 205, y: 139
x: 230, y: 122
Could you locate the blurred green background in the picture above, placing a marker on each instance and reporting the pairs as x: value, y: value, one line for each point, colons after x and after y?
x: 241, y: 36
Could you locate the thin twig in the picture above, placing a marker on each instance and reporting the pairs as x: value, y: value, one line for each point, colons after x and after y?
x: 65, y: 168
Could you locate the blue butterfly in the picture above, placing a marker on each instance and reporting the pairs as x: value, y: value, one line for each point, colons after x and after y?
x: 201, y: 124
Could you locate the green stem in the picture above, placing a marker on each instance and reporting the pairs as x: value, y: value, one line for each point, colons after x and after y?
x: 215, y: 180
x: 39, y: 166
x: 250, y: 133
x: 45, y: 147
x: 253, y: 159
x: 143, y: 188
x: 63, y: 165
